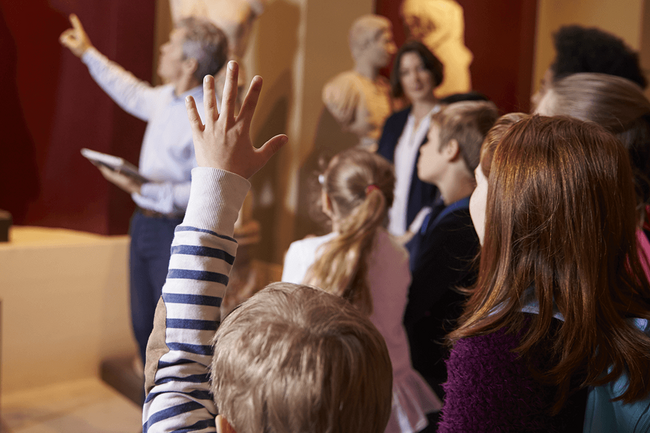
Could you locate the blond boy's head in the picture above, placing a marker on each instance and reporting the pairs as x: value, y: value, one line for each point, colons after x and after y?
x: 294, y: 358
x: 453, y: 148
x: 467, y: 123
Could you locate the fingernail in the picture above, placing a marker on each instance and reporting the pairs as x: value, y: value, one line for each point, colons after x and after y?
x: 188, y: 99
x: 206, y: 79
x: 231, y: 65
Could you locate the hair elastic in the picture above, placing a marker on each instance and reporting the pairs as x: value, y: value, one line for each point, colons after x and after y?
x: 371, y: 188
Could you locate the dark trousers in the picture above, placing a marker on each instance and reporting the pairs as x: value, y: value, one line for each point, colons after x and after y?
x: 151, y: 239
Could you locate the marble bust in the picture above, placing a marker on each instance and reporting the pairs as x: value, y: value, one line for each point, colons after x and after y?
x: 360, y: 99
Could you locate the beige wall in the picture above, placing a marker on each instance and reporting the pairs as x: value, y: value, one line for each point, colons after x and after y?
x: 624, y: 18
x: 297, y: 45
x: 321, y: 51
x: 65, y: 305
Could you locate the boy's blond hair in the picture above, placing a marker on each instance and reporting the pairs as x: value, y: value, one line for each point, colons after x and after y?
x: 294, y: 358
x: 467, y: 122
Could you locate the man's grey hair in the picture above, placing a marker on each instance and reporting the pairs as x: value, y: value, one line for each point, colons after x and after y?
x: 206, y: 43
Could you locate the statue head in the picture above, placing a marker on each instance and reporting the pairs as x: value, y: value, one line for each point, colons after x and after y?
x: 371, y: 40
x: 428, y: 21
x: 234, y: 17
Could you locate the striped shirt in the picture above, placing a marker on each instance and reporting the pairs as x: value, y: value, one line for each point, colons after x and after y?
x: 179, y: 352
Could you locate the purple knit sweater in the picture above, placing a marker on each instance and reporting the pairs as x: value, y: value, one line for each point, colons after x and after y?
x: 490, y: 390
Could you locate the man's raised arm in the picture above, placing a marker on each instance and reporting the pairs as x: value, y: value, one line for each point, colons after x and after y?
x: 135, y: 96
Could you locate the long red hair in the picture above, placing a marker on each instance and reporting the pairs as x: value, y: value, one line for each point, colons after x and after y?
x: 560, y: 219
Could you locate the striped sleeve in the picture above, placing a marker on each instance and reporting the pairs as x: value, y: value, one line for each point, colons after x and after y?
x: 179, y: 352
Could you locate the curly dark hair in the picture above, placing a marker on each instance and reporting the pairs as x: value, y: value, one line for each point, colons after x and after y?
x: 581, y: 49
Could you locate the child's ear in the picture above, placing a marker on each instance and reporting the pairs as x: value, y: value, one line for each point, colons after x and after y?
x: 223, y: 426
x: 451, y: 150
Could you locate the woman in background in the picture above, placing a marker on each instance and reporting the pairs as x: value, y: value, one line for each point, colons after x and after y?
x: 416, y: 73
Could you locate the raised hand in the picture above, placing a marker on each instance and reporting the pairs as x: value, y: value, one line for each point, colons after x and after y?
x: 224, y: 141
x: 75, y: 38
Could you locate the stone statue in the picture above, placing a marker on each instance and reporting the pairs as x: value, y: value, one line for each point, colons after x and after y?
x: 440, y: 25
x: 360, y: 99
x: 234, y: 17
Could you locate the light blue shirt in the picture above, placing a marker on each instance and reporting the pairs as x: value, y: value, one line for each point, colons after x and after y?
x: 602, y: 413
x: 167, y: 154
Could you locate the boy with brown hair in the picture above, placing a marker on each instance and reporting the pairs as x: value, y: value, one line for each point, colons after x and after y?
x: 443, y: 249
x: 293, y: 358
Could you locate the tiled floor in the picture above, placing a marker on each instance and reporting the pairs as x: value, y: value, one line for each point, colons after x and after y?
x: 85, y: 406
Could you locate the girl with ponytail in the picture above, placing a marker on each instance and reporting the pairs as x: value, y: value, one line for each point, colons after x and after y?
x: 362, y: 263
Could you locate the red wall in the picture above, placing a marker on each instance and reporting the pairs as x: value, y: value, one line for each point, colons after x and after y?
x: 51, y: 108
x: 501, y: 35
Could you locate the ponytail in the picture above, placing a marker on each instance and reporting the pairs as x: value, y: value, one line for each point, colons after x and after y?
x: 360, y: 185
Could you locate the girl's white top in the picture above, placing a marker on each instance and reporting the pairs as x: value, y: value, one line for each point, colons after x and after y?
x: 389, y: 278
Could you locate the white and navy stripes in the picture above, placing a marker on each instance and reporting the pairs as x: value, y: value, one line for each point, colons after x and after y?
x: 203, y: 252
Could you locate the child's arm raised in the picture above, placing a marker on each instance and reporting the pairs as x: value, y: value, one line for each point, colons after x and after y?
x: 179, y: 352
x: 224, y: 141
